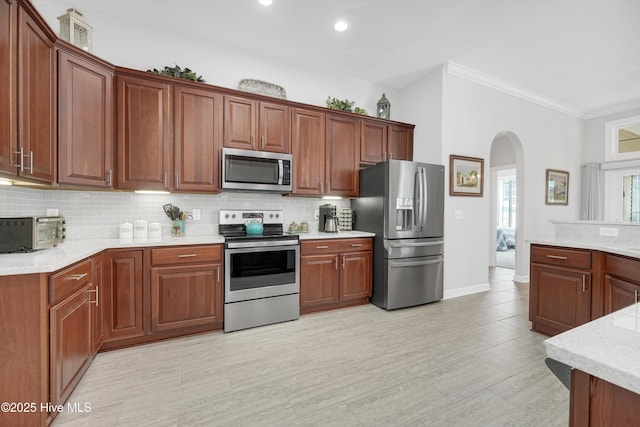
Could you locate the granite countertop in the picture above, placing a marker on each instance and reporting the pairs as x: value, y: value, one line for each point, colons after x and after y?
x: 613, y: 248
x: 52, y: 259
x: 606, y: 348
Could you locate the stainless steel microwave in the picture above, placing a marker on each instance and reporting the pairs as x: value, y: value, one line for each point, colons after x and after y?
x: 247, y: 170
x: 26, y: 234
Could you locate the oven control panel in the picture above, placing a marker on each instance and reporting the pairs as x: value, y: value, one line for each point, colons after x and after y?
x: 231, y: 217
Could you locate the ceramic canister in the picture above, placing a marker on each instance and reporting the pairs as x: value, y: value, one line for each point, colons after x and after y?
x: 140, y: 229
x: 155, y: 229
x: 125, y: 231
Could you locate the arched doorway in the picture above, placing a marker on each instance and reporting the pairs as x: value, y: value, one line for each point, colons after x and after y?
x: 506, y: 165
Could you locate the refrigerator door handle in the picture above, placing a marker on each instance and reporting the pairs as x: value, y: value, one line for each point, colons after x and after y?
x: 411, y: 244
x: 424, y: 199
x: 394, y: 264
x: 416, y: 200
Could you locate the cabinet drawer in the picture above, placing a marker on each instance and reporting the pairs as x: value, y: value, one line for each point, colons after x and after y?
x: 624, y: 268
x: 186, y: 254
x: 64, y: 283
x: 315, y: 247
x: 551, y: 255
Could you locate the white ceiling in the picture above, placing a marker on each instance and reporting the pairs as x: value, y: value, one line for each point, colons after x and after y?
x: 580, y: 53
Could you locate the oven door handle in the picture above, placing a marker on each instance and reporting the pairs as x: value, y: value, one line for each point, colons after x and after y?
x: 272, y: 244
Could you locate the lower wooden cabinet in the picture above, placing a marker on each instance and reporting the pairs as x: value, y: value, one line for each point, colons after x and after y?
x: 187, y: 290
x: 334, y: 273
x: 621, y: 283
x: 123, y: 306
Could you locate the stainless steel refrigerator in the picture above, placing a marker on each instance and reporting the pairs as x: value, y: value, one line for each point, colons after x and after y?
x: 403, y: 203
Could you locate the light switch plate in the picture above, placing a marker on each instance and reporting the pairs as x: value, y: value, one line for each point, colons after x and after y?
x: 458, y: 214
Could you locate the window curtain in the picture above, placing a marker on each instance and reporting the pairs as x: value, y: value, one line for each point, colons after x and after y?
x: 592, y: 192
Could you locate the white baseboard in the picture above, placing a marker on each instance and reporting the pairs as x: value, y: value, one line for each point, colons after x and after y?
x: 468, y: 290
x: 521, y: 279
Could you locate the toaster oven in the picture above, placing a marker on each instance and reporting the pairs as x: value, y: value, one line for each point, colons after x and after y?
x: 26, y: 234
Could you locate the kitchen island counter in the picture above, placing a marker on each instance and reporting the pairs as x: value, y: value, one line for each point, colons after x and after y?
x: 606, y: 348
x: 52, y: 259
x: 610, y: 247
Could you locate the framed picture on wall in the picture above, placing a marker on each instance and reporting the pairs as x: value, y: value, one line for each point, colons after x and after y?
x: 466, y: 176
x: 557, y: 187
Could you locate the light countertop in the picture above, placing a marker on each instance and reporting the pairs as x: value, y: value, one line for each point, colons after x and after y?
x: 52, y: 259
x: 606, y: 348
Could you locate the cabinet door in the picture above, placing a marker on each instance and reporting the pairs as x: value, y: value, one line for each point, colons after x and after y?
x: 619, y: 293
x: 123, y: 295
x: 144, y: 136
x: 275, y: 128
x: 71, y: 347
x: 239, y: 123
x: 85, y: 118
x: 8, y: 85
x: 355, y: 275
x: 183, y: 296
x: 342, y: 155
x: 97, y: 289
x: 560, y: 298
x: 308, y: 149
x: 198, y: 132
x: 373, y: 143
x: 36, y: 95
x: 400, y: 146
x: 319, y: 279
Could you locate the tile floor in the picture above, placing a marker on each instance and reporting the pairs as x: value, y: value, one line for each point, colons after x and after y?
x: 468, y: 361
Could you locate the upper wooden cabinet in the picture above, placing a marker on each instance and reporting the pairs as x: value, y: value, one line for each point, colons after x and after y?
x: 308, y: 149
x: 381, y: 141
x: 198, y: 133
x: 256, y: 125
x: 144, y: 133
x: 85, y: 119
x: 342, y: 151
x: 27, y: 94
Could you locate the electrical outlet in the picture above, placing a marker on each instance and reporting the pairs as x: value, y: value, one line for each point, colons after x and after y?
x: 196, y: 214
x: 609, y: 231
x: 316, y: 213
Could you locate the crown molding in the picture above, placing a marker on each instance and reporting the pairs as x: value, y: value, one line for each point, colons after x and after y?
x: 613, y: 109
x: 511, y: 89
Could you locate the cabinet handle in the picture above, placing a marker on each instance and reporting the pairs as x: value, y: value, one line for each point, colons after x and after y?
x: 336, y: 262
x: 177, y: 179
x: 30, y: 161
x: 77, y: 276
x: 390, y: 155
x: 557, y: 257
x: 356, y: 245
x: 636, y: 292
x: 329, y: 187
x: 218, y: 271
x: 584, y: 283
x: 252, y: 141
x: 263, y: 141
x: 343, y: 260
x: 187, y: 255
x: 97, y: 301
x: 322, y: 247
x: 110, y: 179
x: 20, y: 155
x: 164, y: 180
x: 321, y: 185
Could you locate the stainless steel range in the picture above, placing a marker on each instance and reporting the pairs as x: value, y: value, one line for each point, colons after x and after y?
x: 262, y: 271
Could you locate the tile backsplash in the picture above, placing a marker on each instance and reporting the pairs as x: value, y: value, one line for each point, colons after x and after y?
x: 97, y: 214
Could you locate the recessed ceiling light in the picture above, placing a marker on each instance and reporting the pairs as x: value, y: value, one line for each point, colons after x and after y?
x: 341, y: 26
x: 265, y: 2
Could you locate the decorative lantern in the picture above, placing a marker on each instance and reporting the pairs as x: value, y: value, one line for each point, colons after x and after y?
x: 384, y: 108
x: 75, y: 29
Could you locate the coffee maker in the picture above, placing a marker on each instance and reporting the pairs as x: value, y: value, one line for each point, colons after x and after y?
x: 328, y: 218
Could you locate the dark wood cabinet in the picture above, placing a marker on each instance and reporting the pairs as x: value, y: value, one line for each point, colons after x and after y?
x: 144, y: 133
x: 621, y: 283
x: 308, y: 150
x: 186, y: 287
x: 27, y: 94
x: 595, y: 402
x: 198, y: 134
x: 8, y: 87
x: 373, y: 142
x: 123, y: 305
x: 256, y: 125
x: 335, y: 273
x: 85, y: 119
x: 400, y: 142
x: 71, y: 328
x: 342, y: 155
x: 564, y: 288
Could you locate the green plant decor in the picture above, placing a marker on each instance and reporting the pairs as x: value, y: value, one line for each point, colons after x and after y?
x: 344, y: 105
x: 178, y: 72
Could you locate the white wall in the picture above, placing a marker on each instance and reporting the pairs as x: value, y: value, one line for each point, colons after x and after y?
x: 473, y: 115
x: 128, y: 44
x: 594, y: 135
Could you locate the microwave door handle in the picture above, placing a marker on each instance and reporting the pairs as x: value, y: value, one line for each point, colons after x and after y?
x: 280, y: 171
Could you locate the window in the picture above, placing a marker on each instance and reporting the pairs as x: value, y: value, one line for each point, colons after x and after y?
x: 631, y: 198
x: 622, y: 195
x: 623, y: 139
x: 506, y: 201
